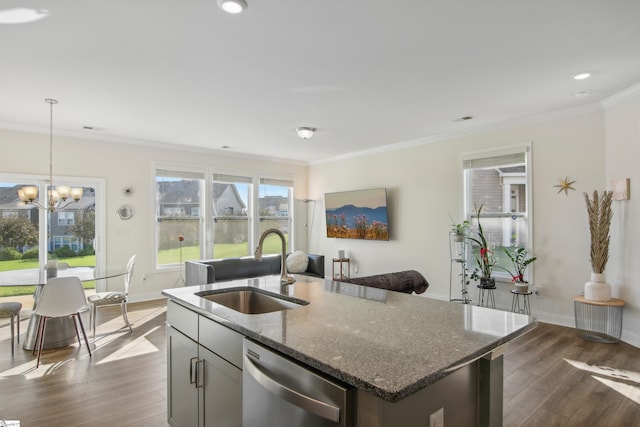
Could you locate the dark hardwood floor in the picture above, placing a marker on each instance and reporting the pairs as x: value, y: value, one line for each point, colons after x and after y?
x: 553, y: 377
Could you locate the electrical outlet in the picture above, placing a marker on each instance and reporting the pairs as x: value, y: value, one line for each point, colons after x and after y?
x: 437, y: 418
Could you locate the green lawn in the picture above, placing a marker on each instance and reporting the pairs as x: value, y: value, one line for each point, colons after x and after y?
x: 272, y: 245
x: 21, y: 264
x: 172, y: 256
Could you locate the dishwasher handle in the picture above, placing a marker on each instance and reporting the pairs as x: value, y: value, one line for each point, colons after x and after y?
x: 309, y: 404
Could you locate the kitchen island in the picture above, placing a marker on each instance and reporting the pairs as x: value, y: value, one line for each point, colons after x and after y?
x: 405, y: 355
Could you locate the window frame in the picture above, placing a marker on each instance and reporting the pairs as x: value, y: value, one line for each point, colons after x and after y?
x: 175, y: 170
x: 467, y: 202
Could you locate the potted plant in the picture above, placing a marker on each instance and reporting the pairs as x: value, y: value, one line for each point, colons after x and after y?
x: 519, y: 260
x: 485, y: 259
x: 599, y: 212
x: 460, y: 230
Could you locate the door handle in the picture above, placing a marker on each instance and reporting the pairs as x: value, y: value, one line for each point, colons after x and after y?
x: 308, y: 403
x: 199, y: 373
x: 193, y: 378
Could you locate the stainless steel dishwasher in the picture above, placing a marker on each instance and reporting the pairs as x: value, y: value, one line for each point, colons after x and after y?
x: 278, y: 392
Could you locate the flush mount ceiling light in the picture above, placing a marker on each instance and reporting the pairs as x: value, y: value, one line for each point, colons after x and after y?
x: 582, y: 76
x: 305, y: 132
x: 232, y: 6
x: 21, y: 15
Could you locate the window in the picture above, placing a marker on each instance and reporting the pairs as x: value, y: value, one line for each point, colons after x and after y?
x: 231, y: 219
x: 36, y: 233
x: 219, y: 215
x: 66, y: 217
x: 499, y: 181
x: 274, y: 205
x: 68, y: 241
x: 178, y: 232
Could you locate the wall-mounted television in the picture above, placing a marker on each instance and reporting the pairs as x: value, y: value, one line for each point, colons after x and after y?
x: 360, y: 214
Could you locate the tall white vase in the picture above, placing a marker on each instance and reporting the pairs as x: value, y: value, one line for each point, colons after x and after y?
x: 597, y: 289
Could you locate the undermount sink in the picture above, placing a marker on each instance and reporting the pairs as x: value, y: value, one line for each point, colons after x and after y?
x: 249, y: 300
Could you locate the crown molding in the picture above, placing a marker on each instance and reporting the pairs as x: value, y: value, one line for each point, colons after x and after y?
x: 475, y: 130
x: 621, y: 96
x: 149, y: 144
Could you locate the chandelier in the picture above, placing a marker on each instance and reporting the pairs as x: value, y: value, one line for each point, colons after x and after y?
x: 59, y: 197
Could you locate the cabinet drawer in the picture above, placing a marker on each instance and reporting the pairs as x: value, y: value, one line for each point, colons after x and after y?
x: 183, y: 319
x: 221, y: 340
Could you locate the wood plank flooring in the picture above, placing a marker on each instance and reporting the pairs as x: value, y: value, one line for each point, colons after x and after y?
x: 124, y: 383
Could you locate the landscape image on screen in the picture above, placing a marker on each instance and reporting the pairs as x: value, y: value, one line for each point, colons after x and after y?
x: 360, y: 214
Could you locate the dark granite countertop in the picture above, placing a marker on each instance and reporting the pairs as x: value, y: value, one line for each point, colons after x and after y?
x: 387, y: 343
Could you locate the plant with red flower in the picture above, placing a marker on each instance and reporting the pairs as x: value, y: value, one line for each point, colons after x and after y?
x: 485, y: 259
x: 518, y: 257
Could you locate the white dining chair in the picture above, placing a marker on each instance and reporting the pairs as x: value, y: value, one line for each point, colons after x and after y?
x: 60, y: 297
x: 100, y: 299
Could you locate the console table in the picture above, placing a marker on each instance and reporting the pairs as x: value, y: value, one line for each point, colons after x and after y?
x: 600, y: 321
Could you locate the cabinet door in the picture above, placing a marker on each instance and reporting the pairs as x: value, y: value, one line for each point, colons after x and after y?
x: 222, y: 392
x: 182, y: 395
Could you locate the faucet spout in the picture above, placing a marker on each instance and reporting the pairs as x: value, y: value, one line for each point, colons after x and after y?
x: 285, y: 279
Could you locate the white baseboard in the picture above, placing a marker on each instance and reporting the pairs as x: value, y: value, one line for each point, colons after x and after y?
x: 630, y: 338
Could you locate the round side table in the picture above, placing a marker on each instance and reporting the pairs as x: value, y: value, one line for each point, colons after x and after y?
x: 515, y: 302
x: 599, y: 321
x: 486, y: 292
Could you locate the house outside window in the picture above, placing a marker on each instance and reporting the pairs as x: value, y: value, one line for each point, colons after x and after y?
x: 500, y: 182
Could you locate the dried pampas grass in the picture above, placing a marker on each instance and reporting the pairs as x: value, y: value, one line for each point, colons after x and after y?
x: 599, y: 211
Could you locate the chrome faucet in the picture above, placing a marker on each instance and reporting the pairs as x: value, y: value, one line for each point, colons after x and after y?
x: 285, y: 279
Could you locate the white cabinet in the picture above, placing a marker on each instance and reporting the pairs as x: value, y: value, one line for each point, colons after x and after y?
x: 204, y: 387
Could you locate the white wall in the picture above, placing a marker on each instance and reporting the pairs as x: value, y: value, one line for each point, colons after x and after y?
x: 122, y: 166
x: 424, y: 187
x: 622, y: 121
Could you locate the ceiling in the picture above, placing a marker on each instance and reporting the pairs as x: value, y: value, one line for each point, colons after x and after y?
x: 368, y: 74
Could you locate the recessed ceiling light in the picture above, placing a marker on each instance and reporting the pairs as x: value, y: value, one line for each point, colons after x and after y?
x: 581, y: 93
x: 305, y: 132
x: 21, y: 15
x: 232, y: 6
x: 582, y: 76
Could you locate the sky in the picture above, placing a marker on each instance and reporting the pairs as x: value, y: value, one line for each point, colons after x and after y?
x: 373, y: 198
